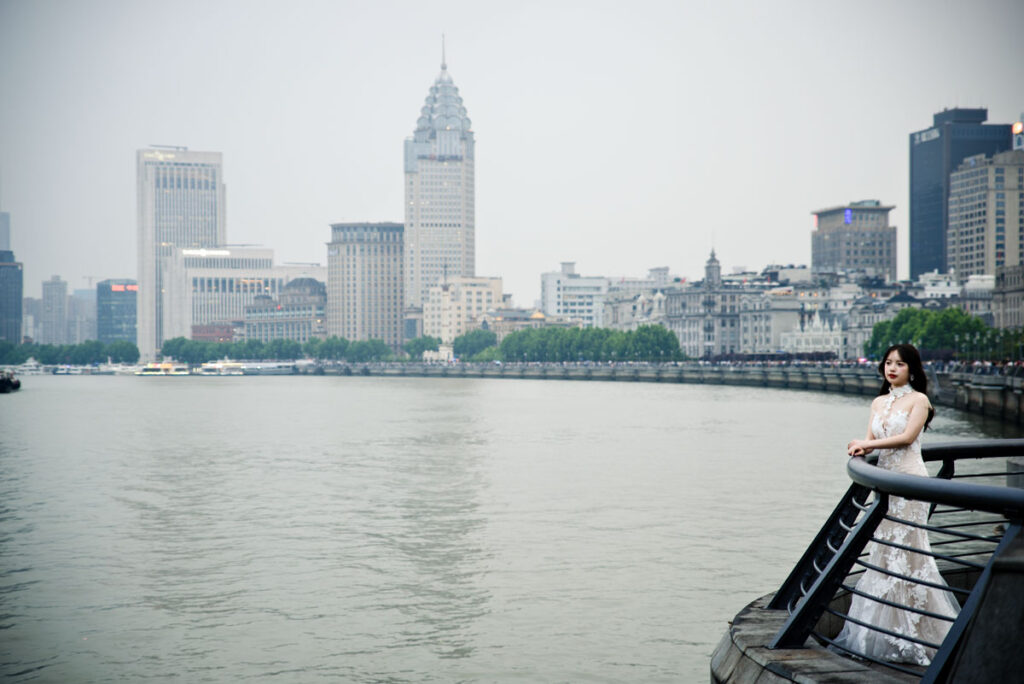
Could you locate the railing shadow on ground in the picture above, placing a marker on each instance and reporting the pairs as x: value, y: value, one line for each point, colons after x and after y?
x: 976, y: 512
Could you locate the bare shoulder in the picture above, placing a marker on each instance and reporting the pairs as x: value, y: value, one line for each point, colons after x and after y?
x: 878, y: 401
x: 922, y: 400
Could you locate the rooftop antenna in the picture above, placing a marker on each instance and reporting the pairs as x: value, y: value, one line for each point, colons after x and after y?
x: 444, y: 64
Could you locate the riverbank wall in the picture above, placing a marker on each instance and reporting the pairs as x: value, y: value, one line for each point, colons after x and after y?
x: 997, y: 396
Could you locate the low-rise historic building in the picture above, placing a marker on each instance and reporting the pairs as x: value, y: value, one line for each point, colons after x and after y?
x: 1008, y: 297
x: 818, y: 336
x: 504, y: 322
x: 765, y: 317
x: 298, y: 313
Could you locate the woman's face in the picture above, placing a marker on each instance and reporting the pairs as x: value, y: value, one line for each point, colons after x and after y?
x: 896, y: 371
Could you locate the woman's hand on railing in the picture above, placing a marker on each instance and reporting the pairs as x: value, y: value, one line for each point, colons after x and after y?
x: 856, y: 448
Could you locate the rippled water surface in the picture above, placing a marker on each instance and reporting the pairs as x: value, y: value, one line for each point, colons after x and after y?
x: 297, y: 529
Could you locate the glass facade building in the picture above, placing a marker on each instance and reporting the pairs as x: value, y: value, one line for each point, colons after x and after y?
x: 116, y: 302
x: 936, y: 152
x: 54, y: 323
x: 12, y: 282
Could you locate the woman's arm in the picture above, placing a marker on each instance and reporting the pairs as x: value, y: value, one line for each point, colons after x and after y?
x: 915, y: 423
x: 870, y: 434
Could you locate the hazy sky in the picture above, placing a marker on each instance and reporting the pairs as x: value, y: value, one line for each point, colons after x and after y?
x: 619, y: 135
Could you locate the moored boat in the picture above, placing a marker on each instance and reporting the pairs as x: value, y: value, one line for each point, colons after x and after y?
x: 221, y: 368
x: 269, y: 368
x: 8, y: 383
x: 164, y: 368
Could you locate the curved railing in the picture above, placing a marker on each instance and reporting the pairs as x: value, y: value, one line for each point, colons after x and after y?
x: 977, y: 510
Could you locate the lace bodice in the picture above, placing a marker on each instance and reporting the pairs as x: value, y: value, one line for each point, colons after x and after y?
x: 891, y: 421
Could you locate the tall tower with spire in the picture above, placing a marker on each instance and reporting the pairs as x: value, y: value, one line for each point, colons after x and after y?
x: 440, y: 223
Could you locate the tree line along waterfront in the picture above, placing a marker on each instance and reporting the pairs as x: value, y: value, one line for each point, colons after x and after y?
x: 940, y: 335
x: 87, y: 353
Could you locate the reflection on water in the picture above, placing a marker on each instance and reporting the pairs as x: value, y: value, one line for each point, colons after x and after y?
x: 371, y: 529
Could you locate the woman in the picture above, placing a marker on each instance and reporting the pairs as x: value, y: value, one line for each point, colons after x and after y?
x: 898, y: 416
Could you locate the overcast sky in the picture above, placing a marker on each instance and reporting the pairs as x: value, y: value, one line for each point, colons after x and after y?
x: 619, y: 135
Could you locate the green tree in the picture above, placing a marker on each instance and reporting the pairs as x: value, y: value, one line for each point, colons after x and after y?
x: 123, y: 351
x: 934, y: 333
x: 614, y: 347
x: 88, y: 352
x: 653, y: 343
x: 333, y: 348
x: 283, y: 350
x: 415, y: 347
x: 367, y: 350
x: 250, y: 350
x: 312, y: 347
x: 473, y: 342
x: 49, y: 354
x: 7, y: 349
x: 488, y: 355
x: 173, y: 347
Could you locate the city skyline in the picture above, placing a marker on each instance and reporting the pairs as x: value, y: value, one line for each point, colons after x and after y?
x: 621, y: 139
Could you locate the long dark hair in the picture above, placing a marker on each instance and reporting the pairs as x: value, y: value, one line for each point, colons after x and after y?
x: 918, y: 380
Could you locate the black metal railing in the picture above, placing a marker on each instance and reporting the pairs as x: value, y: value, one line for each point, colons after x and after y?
x: 976, y: 511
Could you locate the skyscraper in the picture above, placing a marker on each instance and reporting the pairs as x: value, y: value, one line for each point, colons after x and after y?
x: 440, y: 223
x: 54, y: 328
x: 180, y: 205
x: 364, y: 282
x: 934, y: 153
x: 116, y: 302
x: 11, y: 289
x: 5, y: 231
x: 986, y: 214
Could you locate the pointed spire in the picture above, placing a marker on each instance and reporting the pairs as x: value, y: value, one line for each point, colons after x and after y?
x: 444, y: 62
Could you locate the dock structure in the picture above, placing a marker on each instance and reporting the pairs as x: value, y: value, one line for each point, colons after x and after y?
x: 974, y: 390
x: 975, y: 525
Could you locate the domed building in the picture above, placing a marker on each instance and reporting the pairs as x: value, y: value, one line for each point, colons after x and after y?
x: 298, y: 313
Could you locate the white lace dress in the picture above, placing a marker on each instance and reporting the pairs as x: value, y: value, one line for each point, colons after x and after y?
x: 888, y: 423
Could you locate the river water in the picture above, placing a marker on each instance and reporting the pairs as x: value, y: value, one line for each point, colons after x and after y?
x: 350, y: 529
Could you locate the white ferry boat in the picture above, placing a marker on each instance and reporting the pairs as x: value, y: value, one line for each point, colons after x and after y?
x: 164, y: 369
x: 221, y: 368
x: 269, y: 368
x: 30, y: 367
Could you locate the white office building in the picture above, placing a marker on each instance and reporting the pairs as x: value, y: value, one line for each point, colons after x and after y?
x: 180, y: 206
x: 210, y: 286
x: 440, y: 222
x: 568, y: 294
x: 451, y: 306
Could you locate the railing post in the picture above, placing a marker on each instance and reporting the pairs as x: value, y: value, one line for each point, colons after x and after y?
x: 802, y: 620
x: 944, y: 662
x: 818, y: 553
